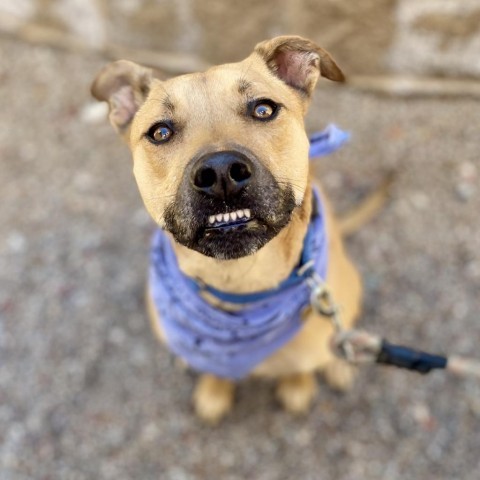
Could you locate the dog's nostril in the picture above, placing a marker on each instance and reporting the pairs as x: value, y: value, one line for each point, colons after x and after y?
x: 221, y: 174
x: 205, y: 178
x: 239, y: 172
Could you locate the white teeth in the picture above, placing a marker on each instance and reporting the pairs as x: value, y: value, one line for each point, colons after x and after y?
x: 229, y: 217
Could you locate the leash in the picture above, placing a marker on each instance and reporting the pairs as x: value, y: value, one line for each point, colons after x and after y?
x: 361, y: 347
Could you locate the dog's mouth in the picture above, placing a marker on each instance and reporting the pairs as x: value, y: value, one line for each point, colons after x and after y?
x: 234, y: 234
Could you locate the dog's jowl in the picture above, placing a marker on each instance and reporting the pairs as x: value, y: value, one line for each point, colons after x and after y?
x: 221, y: 161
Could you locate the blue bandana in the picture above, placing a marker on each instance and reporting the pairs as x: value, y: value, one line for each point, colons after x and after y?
x: 231, y: 344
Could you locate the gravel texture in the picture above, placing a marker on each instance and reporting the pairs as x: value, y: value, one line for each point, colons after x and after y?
x: 85, y: 390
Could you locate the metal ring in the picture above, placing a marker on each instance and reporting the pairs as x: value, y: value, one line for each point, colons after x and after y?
x: 322, y: 301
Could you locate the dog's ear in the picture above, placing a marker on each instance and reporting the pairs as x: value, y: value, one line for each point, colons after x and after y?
x: 298, y: 62
x: 125, y: 86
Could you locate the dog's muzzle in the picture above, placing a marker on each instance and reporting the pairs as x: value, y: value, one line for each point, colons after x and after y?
x: 228, y: 205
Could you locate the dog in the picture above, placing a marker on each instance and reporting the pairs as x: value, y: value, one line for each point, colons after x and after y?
x: 221, y: 161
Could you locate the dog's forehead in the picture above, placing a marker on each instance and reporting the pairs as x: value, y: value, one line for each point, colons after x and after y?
x: 211, y: 96
x: 228, y: 83
x: 220, y: 77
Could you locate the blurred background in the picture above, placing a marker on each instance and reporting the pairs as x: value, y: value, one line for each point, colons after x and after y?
x: 85, y: 390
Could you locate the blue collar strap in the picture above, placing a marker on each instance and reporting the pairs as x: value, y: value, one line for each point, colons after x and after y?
x: 231, y: 344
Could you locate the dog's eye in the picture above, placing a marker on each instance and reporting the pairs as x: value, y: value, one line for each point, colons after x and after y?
x: 264, y: 110
x: 160, y: 133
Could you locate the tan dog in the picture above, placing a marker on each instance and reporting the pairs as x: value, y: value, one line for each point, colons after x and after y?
x: 237, y: 131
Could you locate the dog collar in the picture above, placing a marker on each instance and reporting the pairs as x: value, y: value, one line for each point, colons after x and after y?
x: 231, y: 344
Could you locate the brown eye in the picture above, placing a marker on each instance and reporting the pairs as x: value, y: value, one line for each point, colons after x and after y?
x: 264, y: 110
x: 160, y: 133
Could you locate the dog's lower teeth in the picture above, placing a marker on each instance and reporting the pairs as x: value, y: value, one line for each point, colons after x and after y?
x: 226, y: 217
x: 247, y: 212
x: 239, y: 213
x: 211, y: 219
x: 219, y: 217
x: 233, y: 216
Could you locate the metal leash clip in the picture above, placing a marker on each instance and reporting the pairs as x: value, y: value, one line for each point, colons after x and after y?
x: 322, y: 302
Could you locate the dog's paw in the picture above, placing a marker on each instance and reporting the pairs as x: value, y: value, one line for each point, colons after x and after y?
x: 339, y: 375
x: 296, y: 392
x: 213, y: 398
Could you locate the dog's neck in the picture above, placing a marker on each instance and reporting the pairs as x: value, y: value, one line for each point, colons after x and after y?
x: 264, y: 269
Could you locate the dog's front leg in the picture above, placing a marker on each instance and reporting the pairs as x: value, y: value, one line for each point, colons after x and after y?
x: 213, y: 398
x: 297, y: 391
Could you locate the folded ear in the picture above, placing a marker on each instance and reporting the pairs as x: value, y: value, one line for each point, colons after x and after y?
x: 298, y: 62
x: 125, y: 86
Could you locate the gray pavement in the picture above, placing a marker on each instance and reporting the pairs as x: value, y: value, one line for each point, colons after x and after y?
x: 85, y: 390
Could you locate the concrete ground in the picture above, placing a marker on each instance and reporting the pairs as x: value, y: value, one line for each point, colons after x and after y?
x: 86, y: 393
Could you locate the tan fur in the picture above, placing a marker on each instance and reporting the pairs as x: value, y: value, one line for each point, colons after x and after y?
x: 213, y: 398
x: 297, y: 391
x: 208, y: 105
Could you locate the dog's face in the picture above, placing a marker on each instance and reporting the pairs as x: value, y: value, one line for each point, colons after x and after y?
x: 220, y: 157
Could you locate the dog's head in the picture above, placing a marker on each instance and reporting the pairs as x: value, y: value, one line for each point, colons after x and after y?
x: 220, y: 157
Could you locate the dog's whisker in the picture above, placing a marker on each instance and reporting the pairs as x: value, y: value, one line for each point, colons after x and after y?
x: 290, y: 184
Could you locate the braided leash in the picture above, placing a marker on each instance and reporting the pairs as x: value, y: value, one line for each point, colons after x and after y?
x: 361, y: 347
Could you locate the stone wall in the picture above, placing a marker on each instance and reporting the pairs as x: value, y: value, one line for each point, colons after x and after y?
x: 438, y: 37
x: 427, y: 37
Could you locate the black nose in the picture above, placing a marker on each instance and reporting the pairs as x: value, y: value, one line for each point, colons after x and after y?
x: 222, y: 174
